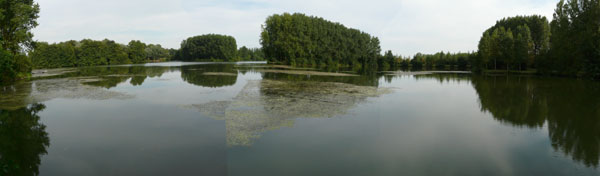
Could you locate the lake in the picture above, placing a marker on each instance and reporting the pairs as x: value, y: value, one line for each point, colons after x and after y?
x: 256, y: 119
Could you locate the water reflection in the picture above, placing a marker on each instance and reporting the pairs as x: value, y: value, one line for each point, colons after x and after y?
x: 210, y: 75
x: 109, y: 77
x: 271, y: 104
x: 361, y: 80
x: 23, y: 140
x: 570, y: 107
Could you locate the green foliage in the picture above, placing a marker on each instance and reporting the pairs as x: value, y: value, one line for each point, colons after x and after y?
x: 53, y: 55
x: 157, y: 52
x: 137, y: 52
x: 88, y: 53
x: 514, y: 43
x: 17, y: 18
x: 254, y: 54
x: 116, y: 53
x: 567, y: 46
x: 575, y: 35
x: 212, y: 47
x: 92, y: 53
x: 297, y: 39
x: 7, y: 71
x: 439, y: 60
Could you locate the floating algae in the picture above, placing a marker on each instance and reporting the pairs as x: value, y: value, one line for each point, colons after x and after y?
x: 219, y: 74
x: 409, y: 73
x: 302, y: 72
x: 51, y: 72
x: 275, y: 66
x: 25, y: 93
x: 267, y: 105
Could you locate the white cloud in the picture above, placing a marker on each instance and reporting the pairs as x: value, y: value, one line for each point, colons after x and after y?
x: 403, y: 26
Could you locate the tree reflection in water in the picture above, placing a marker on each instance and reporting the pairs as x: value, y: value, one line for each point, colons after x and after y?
x: 210, y: 75
x: 269, y: 104
x: 23, y: 140
x: 570, y: 107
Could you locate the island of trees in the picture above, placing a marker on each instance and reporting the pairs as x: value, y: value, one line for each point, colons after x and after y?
x: 566, y: 46
x: 297, y: 39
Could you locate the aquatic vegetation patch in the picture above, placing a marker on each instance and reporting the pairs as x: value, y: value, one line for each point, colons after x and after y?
x: 267, y: 105
x: 219, y: 74
x: 285, y: 67
x: 51, y: 72
x: 409, y: 73
x: 302, y: 72
x: 25, y: 93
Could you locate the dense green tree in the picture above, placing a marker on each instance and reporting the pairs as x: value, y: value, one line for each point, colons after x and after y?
x: 388, y: 60
x: 90, y: 53
x: 514, y: 43
x: 244, y: 53
x: 116, y: 53
x: 524, y: 47
x: 7, y: 70
x: 157, y: 52
x: 137, y: 52
x: 250, y: 54
x: 440, y: 60
x: 53, y: 55
x: 84, y: 53
x: 211, y: 47
x: 575, y: 34
x: 257, y: 54
x: 17, y: 18
x: 297, y: 39
x: 174, y: 54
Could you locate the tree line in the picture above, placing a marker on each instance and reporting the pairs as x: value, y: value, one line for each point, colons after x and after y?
x: 216, y: 48
x: 566, y: 46
x: 515, y: 43
x: 92, y: 53
x: 440, y: 60
x: 298, y: 39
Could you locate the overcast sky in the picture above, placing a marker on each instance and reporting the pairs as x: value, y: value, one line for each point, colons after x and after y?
x: 403, y: 26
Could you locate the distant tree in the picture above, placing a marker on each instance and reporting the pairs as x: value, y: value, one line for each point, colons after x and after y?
x: 244, y: 53
x: 156, y: 52
x: 90, y: 53
x: 388, y: 60
x: 137, y: 52
x: 213, y: 47
x: 116, y: 53
x: 517, y: 41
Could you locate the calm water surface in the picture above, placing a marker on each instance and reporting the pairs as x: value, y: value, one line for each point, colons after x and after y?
x: 254, y: 119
